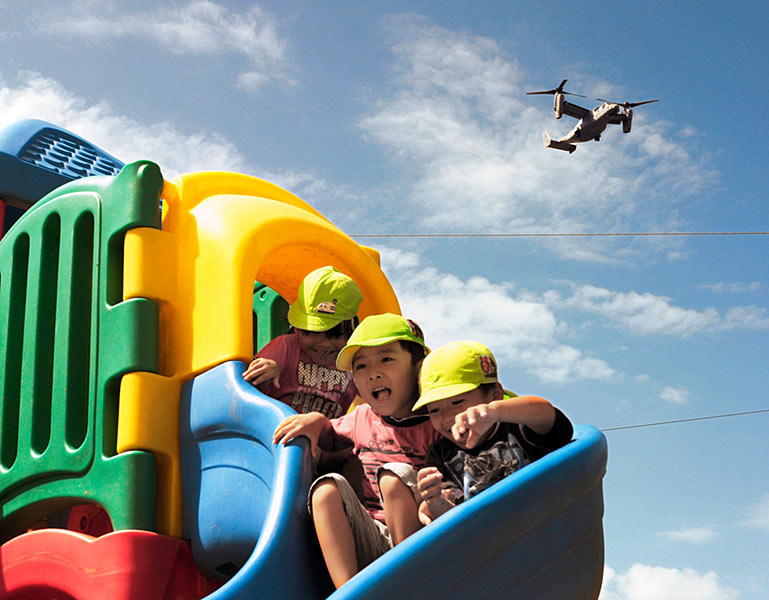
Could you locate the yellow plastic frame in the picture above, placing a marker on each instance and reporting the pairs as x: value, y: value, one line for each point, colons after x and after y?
x: 220, y: 232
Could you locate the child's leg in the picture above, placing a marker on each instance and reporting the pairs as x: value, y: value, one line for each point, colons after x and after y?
x: 334, y: 532
x: 349, y: 538
x: 401, y: 508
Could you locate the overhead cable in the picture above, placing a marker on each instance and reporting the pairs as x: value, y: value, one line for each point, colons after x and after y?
x: 737, y: 414
x: 543, y: 235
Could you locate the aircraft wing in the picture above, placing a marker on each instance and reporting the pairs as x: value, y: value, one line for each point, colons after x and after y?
x: 616, y: 119
x: 574, y: 111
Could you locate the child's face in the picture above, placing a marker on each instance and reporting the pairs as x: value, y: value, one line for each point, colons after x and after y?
x: 443, y: 412
x: 386, y: 379
x: 321, y: 349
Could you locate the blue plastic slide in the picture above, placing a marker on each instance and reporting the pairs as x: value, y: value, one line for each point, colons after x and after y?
x: 536, y: 534
x: 244, y: 498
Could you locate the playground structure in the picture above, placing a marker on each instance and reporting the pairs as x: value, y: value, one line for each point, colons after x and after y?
x: 135, y: 462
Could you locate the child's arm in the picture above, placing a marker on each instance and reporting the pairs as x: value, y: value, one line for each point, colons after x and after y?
x: 315, y: 426
x: 263, y: 370
x: 532, y: 411
x: 436, y: 500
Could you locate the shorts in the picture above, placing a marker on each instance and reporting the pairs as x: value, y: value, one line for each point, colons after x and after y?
x: 372, y: 539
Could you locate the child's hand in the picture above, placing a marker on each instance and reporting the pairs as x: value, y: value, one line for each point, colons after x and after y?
x: 436, y: 499
x: 424, y: 514
x: 429, y: 483
x: 310, y: 425
x: 470, y: 425
x: 262, y: 370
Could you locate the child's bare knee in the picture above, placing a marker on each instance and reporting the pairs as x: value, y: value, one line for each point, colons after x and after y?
x: 391, y: 485
x: 324, y: 494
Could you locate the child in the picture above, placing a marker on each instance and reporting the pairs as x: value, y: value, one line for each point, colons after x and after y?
x: 384, y: 353
x: 487, y: 433
x: 299, y: 368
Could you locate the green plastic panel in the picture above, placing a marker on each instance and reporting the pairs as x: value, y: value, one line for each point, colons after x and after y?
x: 270, y: 311
x: 66, y: 339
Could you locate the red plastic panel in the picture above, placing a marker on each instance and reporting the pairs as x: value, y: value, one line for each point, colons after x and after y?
x: 89, y: 519
x: 56, y: 564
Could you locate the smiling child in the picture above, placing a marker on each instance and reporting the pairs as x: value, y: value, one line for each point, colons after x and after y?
x: 299, y: 368
x: 487, y: 433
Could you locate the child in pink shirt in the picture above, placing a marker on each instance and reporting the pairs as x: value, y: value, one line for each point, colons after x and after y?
x: 384, y: 354
x: 299, y: 368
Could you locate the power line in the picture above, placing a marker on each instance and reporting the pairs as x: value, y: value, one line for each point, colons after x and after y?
x: 738, y: 414
x: 594, y: 234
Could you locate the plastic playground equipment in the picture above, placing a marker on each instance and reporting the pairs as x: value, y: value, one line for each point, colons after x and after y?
x: 135, y: 462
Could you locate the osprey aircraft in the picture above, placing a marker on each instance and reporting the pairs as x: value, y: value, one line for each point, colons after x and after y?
x: 591, y: 122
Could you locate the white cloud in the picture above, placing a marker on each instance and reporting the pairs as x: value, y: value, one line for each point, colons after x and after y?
x: 641, y: 313
x: 31, y: 95
x: 692, y: 535
x: 644, y: 582
x: 648, y: 314
x: 676, y: 255
x: 758, y: 515
x: 746, y: 317
x: 521, y: 333
x: 36, y: 96
x: 675, y: 395
x: 458, y: 118
x: 195, y: 27
x: 734, y: 287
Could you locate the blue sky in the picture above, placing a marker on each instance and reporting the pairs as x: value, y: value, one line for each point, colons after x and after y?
x: 411, y: 117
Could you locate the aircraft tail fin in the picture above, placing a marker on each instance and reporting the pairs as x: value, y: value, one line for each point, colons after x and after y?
x: 551, y: 143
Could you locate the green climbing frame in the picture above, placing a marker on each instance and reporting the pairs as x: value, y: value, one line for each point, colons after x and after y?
x: 66, y: 339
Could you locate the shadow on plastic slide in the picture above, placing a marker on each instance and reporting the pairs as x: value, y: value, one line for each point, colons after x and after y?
x: 244, y: 498
x: 536, y: 534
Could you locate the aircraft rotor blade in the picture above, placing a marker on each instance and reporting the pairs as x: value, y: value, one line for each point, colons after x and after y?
x: 634, y: 104
x: 627, y: 104
x: 558, y: 90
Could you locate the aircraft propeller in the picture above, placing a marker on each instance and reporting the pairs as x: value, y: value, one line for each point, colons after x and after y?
x: 627, y: 105
x: 558, y: 90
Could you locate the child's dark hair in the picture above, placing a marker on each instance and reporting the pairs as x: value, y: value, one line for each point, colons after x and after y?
x: 489, y: 389
x: 341, y: 329
x: 416, y: 350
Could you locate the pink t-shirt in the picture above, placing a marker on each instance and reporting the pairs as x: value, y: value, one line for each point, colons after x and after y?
x: 379, y: 440
x: 306, y: 386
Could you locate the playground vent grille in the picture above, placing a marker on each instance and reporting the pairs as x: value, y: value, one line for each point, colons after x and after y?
x: 67, y: 155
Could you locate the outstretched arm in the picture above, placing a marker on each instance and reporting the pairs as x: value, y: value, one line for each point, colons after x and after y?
x: 314, y: 426
x: 534, y: 412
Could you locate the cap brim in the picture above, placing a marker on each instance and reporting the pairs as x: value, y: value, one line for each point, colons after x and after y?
x: 344, y: 358
x: 346, y: 354
x: 443, y: 392
x: 311, y: 322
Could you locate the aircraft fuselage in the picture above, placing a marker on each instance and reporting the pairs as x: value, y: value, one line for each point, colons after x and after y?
x: 592, y: 125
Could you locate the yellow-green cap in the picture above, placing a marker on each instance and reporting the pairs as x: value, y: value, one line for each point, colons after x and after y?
x: 326, y: 297
x: 378, y: 330
x: 456, y: 368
